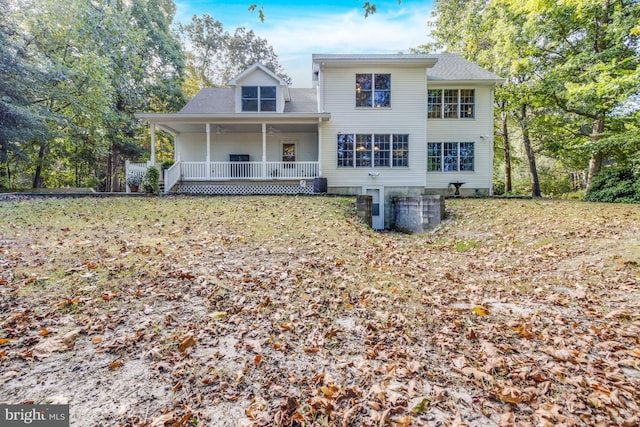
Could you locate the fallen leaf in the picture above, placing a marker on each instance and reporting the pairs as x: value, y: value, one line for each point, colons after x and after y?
x: 218, y: 315
x: 163, y: 420
x: 189, y: 341
x: 71, y: 336
x: 481, y: 311
x: 511, y: 395
x: 115, y: 364
x: 44, y: 348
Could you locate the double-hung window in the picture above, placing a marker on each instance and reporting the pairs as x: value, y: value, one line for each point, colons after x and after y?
x: 451, y: 103
x: 258, y: 98
x: 373, y: 90
x: 373, y: 150
x: 450, y: 156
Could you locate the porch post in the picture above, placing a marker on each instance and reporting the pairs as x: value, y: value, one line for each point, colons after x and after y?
x: 264, y: 151
x: 208, y: 126
x: 153, y: 144
x: 320, y: 147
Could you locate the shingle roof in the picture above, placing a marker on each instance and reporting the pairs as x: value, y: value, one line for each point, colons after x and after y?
x: 211, y: 101
x: 454, y: 67
x: 302, y: 101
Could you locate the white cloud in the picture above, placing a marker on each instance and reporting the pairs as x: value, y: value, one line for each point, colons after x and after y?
x: 295, y: 39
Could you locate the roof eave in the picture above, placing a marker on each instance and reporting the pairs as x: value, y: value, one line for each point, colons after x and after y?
x: 230, y: 117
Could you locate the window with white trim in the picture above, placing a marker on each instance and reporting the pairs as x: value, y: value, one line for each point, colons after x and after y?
x: 451, y: 103
x: 259, y: 98
x: 373, y: 150
x: 373, y: 90
x: 450, y: 156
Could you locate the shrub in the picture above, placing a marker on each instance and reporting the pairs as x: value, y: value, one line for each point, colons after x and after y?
x: 150, y: 181
x: 615, y: 184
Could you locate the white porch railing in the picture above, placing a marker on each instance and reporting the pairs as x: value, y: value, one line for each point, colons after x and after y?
x: 134, y: 170
x: 228, y: 171
x: 171, y: 176
x: 203, y: 171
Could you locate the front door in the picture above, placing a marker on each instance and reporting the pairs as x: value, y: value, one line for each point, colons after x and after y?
x: 377, y: 207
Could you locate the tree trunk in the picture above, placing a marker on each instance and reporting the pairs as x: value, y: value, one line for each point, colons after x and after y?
x: 595, y: 162
x: 4, y: 166
x: 533, y: 171
x: 507, y: 153
x: 526, y: 140
x: 37, y: 176
x: 115, y: 176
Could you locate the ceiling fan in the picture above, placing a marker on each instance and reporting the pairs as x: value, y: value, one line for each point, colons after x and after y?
x: 271, y: 130
x: 220, y: 130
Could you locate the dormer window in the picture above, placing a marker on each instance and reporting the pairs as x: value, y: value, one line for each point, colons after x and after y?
x: 258, y: 98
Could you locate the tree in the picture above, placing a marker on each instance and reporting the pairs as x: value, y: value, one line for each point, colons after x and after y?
x: 589, y: 50
x: 104, y: 61
x: 214, y: 56
x: 19, y: 78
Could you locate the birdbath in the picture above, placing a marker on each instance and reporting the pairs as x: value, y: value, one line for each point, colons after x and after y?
x: 457, y: 185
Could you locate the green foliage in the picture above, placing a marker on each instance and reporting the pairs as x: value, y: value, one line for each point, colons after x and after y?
x: 215, y: 56
x: 615, y: 184
x: 134, y: 179
x: 150, y: 181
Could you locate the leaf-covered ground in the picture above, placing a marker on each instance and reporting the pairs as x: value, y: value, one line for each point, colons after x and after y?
x: 265, y: 311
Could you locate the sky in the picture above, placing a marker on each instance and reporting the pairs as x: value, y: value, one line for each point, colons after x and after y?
x: 297, y: 29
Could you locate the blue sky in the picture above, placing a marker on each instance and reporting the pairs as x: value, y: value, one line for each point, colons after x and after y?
x: 298, y: 29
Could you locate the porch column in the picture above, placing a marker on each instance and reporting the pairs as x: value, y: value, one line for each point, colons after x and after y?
x: 208, y: 127
x: 264, y: 150
x: 153, y: 144
x: 320, y: 147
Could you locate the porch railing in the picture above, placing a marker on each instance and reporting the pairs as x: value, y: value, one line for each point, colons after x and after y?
x: 171, y: 176
x: 134, y: 170
x: 203, y: 171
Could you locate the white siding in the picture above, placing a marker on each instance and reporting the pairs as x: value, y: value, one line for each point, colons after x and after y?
x: 192, y: 147
x: 405, y: 116
x: 478, y: 130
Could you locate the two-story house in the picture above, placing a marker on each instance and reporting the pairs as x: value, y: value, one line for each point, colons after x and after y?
x: 383, y: 125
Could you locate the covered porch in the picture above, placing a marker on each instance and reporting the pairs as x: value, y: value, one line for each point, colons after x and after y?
x: 233, y: 150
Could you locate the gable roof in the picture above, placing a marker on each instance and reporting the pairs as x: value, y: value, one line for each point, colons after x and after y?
x: 251, y: 69
x: 454, y: 68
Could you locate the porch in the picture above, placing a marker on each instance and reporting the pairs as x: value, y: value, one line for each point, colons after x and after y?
x: 279, y: 156
x: 235, y: 177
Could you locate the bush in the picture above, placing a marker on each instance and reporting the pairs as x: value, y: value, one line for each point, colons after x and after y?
x: 615, y: 184
x: 150, y: 181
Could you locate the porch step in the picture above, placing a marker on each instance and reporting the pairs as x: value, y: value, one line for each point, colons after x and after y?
x: 245, y: 189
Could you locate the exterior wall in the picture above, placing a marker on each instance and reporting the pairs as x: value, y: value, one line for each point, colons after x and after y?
x: 478, y: 130
x: 192, y: 147
x: 405, y: 116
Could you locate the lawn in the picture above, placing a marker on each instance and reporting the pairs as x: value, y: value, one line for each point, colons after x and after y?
x: 241, y: 311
